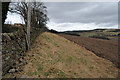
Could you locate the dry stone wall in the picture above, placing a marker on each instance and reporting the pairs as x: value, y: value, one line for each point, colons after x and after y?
x: 14, y: 47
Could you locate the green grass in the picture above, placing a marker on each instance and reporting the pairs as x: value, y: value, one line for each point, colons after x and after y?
x: 62, y: 74
x: 85, y: 62
x: 55, y: 44
x: 46, y: 74
x: 79, y: 60
x: 40, y: 68
x: 48, y: 47
x: 91, y: 68
x: 51, y: 62
x: 69, y: 59
x: 35, y: 73
x: 47, y: 38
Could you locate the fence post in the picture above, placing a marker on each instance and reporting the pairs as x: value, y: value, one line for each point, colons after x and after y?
x: 28, y: 25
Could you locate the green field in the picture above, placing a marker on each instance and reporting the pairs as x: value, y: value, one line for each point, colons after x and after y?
x: 108, y: 34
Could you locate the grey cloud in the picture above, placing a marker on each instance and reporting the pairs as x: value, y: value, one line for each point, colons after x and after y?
x: 83, y: 12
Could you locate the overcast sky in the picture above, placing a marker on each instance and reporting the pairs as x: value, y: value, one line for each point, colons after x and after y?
x: 79, y: 15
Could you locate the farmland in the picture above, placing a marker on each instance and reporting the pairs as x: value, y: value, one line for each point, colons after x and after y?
x: 107, y: 34
x: 103, y: 42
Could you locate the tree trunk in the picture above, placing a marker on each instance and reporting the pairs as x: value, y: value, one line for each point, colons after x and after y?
x: 5, y: 8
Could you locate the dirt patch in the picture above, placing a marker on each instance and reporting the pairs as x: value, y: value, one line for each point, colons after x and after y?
x: 107, y: 49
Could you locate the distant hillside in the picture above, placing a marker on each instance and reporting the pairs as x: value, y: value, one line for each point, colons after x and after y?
x: 95, y: 30
x: 107, y: 34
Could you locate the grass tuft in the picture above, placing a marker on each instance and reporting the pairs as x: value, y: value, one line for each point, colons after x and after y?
x: 40, y: 68
x: 47, y: 74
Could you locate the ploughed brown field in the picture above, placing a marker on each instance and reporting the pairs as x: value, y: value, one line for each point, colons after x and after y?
x: 107, y: 49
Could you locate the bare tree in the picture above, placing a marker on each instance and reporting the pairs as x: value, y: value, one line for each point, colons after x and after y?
x: 38, y: 12
x: 33, y: 13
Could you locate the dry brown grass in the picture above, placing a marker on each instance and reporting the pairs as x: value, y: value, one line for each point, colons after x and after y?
x: 57, y: 57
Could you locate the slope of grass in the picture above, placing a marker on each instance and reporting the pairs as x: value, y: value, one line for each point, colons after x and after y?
x: 57, y: 57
